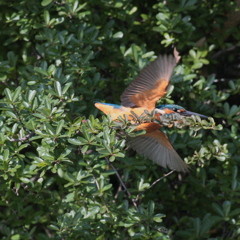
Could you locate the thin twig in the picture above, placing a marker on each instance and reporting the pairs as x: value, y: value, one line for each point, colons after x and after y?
x: 165, y: 175
x: 122, y: 183
x: 224, y: 51
x: 119, y: 189
x: 22, y: 139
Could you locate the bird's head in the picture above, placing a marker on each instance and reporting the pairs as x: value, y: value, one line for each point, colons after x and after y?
x: 172, y: 108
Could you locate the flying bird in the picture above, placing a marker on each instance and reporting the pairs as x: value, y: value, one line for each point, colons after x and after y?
x: 141, y: 96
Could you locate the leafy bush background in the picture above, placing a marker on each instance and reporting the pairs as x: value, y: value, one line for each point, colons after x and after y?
x: 57, y: 58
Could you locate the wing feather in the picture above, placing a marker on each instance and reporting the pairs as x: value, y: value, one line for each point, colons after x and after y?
x: 156, y: 146
x: 151, y: 84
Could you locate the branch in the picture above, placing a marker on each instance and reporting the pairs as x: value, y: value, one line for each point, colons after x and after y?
x: 22, y: 139
x: 165, y: 175
x: 122, y: 183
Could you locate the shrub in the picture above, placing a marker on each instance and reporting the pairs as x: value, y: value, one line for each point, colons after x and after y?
x: 59, y: 156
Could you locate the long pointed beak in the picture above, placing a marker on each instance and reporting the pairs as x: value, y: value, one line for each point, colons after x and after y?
x: 188, y: 113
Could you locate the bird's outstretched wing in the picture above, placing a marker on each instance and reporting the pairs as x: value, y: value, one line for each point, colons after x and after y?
x: 156, y: 146
x: 151, y: 84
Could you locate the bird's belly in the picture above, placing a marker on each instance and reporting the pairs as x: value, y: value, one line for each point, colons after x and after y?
x: 116, y: 111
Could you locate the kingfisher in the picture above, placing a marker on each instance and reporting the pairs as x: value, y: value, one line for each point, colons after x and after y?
x: 140, y: 96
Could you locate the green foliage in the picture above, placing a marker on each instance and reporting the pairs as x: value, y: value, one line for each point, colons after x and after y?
x: 57, y: 158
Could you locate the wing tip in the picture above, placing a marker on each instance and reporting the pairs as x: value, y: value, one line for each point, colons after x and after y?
x: 166, y: 158
x: 184, y: 168
x: 161, y: 69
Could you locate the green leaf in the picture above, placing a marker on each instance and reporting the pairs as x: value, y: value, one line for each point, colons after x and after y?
x: 93, y: 211
x: 41, y: 71
x: 118, y: 35
x: 44, y: 3
x: 25, y: 180
x: 11, y: 114
x: 58, y: 88
x: 151, y: 206
x: 158, y: 217
x: 234, y: 184
x: 31, y: 95
x: 226, y: 208
x: 16, y: 237
x: 60, y: 126
x: 6, y: 155
x: 46, y: 17
x: 197, y: 226
x: 134, y: 53
x: 16, y: 93
x: 234, y: 172
x: 85, y: 133
x: 8, y: 94
x: 69, y: 197
x: 112, y: 158
x: 119, y: 154
x: 218, y: 209
x: 234, y: 109
x: 235, y: 212
x: 106, y: 187
x: 133, y: 10
x: 77, y: 141
x: 161, y: 16
x: 22, y: 147
x: 84, y: 149
x: 66, y: 87
x: 226, y: 108
x: 53, y: 227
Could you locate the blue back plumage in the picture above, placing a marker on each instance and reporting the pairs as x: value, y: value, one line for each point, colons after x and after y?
x: 170, y: 106
x: 111, y: 104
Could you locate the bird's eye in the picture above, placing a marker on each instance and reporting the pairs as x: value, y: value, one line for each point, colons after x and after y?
x: 174, y: 109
